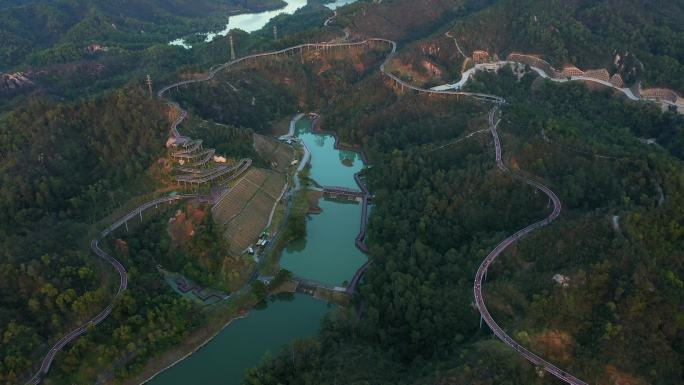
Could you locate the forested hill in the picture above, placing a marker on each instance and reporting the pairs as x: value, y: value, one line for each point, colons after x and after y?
x: 64, y: 165
x: 405, y: 20
x: 80, y: 148
x: 586, y: 33
x: 56, y: 156
x: 39, y: 32
x: 441, y: 206
x: 598, y: 292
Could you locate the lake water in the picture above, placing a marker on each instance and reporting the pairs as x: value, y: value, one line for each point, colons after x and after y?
x: 242, y: 344
x: 250, y: 22
x: 328, y: 254
x: 329, y: 167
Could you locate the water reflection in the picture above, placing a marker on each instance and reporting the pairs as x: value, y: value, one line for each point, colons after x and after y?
x: 326, y: 161
x: 329, y: 254
x: 347, y: 158
x: 319, y: 140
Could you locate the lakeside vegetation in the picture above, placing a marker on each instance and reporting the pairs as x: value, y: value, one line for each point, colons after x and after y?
x: 76, y: 149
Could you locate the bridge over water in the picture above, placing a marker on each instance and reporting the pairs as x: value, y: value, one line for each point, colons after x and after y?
x: 322, y: 290
x: 337, y: 192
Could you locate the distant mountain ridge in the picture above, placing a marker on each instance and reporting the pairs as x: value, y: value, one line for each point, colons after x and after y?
x: 46, y: 31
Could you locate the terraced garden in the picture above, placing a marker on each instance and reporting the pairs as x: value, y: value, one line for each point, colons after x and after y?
x: 277, y: 154
x: 246, y: 209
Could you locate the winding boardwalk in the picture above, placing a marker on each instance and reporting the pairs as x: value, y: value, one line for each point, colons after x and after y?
x: 206, y: 175
x: 496, y: 100
x: 481, y: 271
x: 360, y: 240
x: 179, y: 139
x: 123, y: 284
x: 627, y: 92
x: 321, y: 46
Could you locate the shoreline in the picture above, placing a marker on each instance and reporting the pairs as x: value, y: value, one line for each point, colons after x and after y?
x: 213, y: 335
x: 316, y: 128
x: 280, y: 289
x: 361, y: 237
x: 195, y: 350
x: 219, y: 330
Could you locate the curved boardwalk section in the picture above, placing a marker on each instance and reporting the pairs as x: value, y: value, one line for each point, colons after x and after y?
x: 123, y: 284
x: 479, y: 276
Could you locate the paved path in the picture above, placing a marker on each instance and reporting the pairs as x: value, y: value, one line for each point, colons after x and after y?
x: 454, y: 89
x: 316, y: 47
x: 293, y: 126
x: 458, y: 47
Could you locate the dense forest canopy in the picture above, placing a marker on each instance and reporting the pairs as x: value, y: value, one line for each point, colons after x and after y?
x: 71, y: 70
x: 439, y: 210
x: 84, y: 139
x: 63, y: 29
x: 64, y: 165
x: 647, y: 36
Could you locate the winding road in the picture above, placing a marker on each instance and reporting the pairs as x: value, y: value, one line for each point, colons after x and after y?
x: 627, y: 92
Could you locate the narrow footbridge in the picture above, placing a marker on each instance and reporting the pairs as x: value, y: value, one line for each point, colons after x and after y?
x: 309, y: 286
x: 361, y: 237
x: 360, y: 240
x: 337, y: 192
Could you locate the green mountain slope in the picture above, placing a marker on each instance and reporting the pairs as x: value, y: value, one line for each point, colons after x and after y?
x: 61, y: 30
x: 587, y: 34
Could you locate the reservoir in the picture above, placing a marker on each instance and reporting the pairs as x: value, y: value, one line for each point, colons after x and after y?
x: 329, y: 167
x: 242, y: 344
x: 328, y: 255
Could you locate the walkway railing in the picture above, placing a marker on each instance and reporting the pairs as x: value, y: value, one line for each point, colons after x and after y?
x: 482, y: 270
x: 123, y: 283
